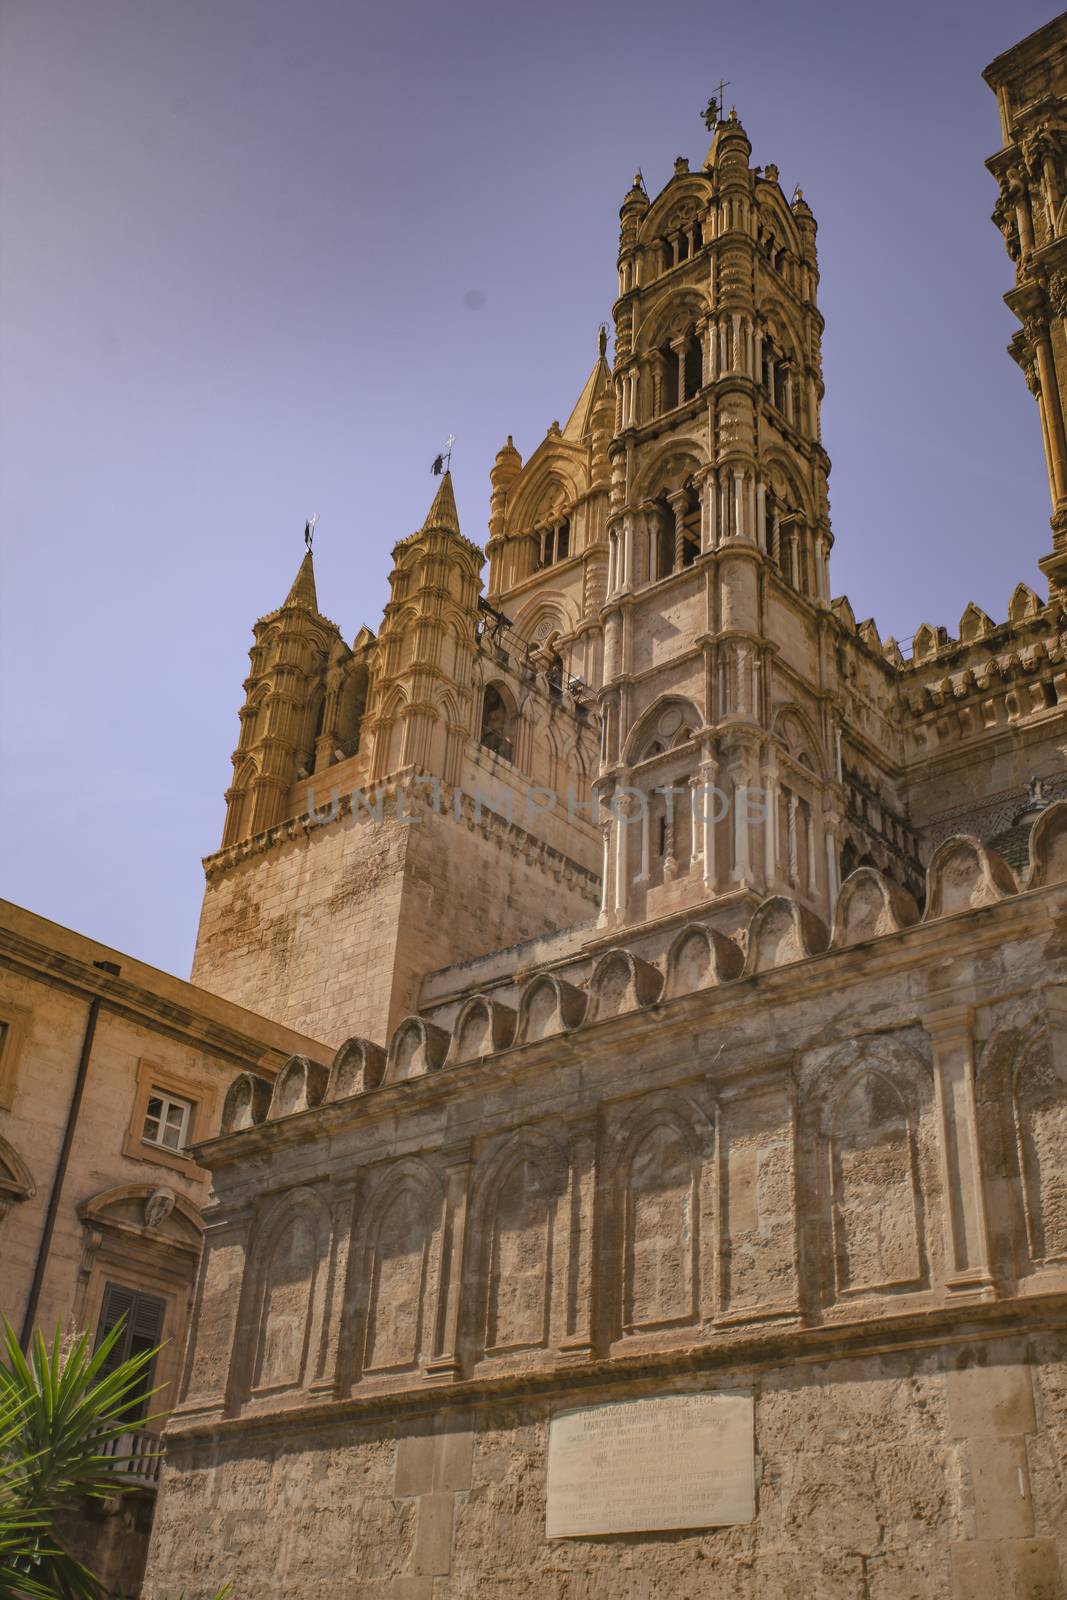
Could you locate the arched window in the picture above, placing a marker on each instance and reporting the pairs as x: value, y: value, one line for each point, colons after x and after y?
x: 694, y: 367
x: 671, y: 376
x: 498, y: 722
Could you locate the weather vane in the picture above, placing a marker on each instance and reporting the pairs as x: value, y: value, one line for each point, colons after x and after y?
x: 443, y: 462
x: 309, y: 528
x: 712, y: 112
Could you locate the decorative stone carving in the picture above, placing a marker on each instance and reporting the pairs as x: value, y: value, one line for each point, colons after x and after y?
x: 780, y: 932
x: 1048, y: 847
x: 700, y: 958
x: 868, y: 907
x: 358, y: 1066
x: 246, y: 1104
x: 417, y: 1047
x: 964, y: 874
x: 549, y: 1006
x: 875, y: 1187
x: 300, y: 1085
x: 621, y: 982
x: 399, y: 1241
x: 289, y: 1258
x: 482, y: 1027
x: 158, y: 1207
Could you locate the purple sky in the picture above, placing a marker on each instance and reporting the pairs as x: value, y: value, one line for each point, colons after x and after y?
x: 240, y: 241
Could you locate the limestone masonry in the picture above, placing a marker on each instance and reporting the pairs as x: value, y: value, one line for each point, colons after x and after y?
x: 690, y: 969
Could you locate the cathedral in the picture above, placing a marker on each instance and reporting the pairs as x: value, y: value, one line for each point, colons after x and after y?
x: 670, y: 1198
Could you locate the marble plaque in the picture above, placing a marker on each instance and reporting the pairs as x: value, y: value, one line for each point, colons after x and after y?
x: 665, y: 1461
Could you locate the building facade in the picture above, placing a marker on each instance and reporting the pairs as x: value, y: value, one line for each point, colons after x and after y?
x: 691, y: 970
x: 109, y: 1071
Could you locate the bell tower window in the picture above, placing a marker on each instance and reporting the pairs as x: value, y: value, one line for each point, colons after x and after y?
x: 498, y: 722
x: 553, y: 543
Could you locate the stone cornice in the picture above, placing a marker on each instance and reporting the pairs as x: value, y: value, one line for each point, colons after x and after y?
x: 754, y: 1347
x: 723, y: 1006
x: 51, y: 954
x: 490, y: 823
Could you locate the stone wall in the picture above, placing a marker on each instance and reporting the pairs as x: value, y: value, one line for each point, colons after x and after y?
x: 830, y: 1172
x: 911, y: 1474
x: 328, y: 927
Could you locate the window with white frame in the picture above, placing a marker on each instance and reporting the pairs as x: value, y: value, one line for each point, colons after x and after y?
x: 166, y: 1121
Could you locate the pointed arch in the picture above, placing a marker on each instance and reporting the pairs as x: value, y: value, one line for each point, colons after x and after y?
x: 661, y: 723
x: 660, y: 1162
x: 795, y: 730
x: 861, y: 1125
x: 399, y: 1248
x: 516, y: 1237
x: 289, y: 1255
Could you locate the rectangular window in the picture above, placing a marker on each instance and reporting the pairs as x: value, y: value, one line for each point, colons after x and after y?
x: 166, y: 1121
x: 141, y: 1331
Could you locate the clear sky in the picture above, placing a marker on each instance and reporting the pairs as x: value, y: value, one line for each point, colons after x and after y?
x: 260, y: 258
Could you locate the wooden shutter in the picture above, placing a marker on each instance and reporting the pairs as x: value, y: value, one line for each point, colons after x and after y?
x: 141, y: 1331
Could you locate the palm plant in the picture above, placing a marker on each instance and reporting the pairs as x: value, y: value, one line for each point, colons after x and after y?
x: 62, y: 1418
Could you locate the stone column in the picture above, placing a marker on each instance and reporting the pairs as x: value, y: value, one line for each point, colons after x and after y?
x: 706, y: 819
x: 627, y: 552
x: 1050, y: 405
x: 625, y: 808
x: 646, y: 843
x: 966, y: 1228
x: 742, y: 865
x: 735, y: 342
x: 679, y: 503
x: 833, y: 871
x: 709, y: 521
x: 724, y: 356
x: 761, y: 514
x: 710, y: 342
x: 327, y: 1376
x: 770, y: 822
x: 445, y: 1365
x: 607, y: 891
x: 679, y: 347
x: 670, y: 863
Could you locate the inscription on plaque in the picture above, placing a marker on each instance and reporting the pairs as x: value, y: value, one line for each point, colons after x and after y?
x: 666, y: 1461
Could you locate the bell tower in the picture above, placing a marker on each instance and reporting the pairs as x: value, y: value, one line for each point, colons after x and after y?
x: 721, y: 760
x: 1030, y: 83
x: 284, y: 702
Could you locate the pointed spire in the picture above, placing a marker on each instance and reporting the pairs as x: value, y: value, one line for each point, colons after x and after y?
x: 580, y: 420
x: 442, y: 516
x: 303, y: 591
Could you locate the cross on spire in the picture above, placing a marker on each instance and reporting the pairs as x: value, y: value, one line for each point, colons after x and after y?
x: 712, y: 112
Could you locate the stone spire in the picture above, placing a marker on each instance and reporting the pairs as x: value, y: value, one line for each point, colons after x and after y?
x: 442, y: 516
x: 303, y: 592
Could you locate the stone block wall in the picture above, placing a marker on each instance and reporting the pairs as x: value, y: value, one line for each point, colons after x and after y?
x: 916, y: 1474
x: 831, y: 1175
x: 329, y: 927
